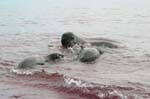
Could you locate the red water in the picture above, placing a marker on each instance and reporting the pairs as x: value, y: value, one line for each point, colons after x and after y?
x: 67, y: 87
x: 107, y: 78
x: 34, y: 27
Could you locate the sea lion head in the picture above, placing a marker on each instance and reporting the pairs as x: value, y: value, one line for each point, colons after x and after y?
x: 54, y: 57
x: 68, y: 39
x: 89, y: 54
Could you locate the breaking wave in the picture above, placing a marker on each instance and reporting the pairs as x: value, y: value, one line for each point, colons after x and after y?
x: 73, y: 86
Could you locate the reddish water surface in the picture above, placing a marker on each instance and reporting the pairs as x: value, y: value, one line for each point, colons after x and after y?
x: 34, y: 27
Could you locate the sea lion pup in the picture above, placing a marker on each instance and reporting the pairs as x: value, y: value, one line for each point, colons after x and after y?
x: 89, y: 54
x: 69, y: 39
x: 31, y: 62
x: 53, y: 57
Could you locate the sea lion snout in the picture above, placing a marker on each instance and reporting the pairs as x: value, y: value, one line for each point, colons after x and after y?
x: 53, y: 57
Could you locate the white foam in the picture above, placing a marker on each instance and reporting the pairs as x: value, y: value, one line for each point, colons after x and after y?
x: 78, y: 83
x: 18, y: 71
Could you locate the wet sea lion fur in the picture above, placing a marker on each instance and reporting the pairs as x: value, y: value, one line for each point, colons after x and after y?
x: 30, y: 62
x: 69, y: 39
x: 53, y: 57
x: 89, y: 54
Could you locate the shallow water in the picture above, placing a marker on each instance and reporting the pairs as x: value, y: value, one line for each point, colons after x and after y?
x: 27, y: 27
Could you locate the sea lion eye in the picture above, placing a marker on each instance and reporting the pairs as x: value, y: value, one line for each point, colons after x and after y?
x: 72, y: 37
x: 61, y: 55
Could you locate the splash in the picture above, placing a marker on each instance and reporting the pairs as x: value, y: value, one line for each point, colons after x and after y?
x: 73, y: 86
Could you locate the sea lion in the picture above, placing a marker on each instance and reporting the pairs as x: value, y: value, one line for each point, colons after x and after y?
x: 69, y: 39
x: 53, y: 57
x: 31, y: 62
x: 89, y: 54
x: 104, y: 43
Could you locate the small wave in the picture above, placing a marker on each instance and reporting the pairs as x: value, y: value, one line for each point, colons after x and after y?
x: 6, y: 63
x: 89, y: 90
x: 21, y: 72
x: 106, y: 43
